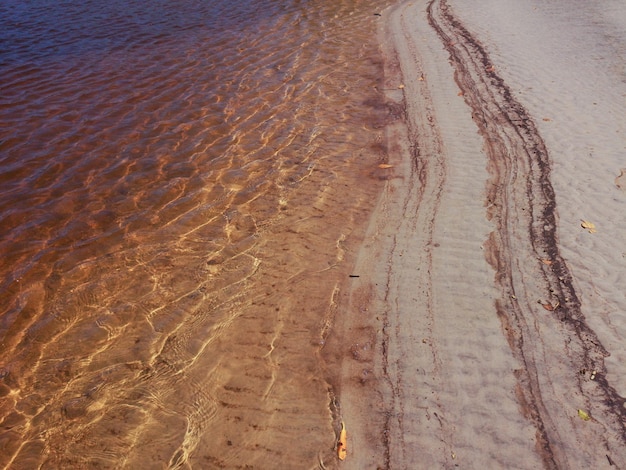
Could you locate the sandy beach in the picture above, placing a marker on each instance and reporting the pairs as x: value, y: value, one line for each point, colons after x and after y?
x: 233, y: 229
x: 486, y: 326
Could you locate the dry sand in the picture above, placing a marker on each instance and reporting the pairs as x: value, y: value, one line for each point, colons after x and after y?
x: 484, y: 316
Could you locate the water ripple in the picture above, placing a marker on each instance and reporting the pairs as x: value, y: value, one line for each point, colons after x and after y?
x: 171, y: 175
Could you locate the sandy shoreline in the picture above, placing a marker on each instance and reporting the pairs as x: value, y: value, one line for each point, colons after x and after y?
x: 465, y: 340
x: 236, y: 227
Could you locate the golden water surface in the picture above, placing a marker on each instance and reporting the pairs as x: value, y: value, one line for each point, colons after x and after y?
x: 182, y: 187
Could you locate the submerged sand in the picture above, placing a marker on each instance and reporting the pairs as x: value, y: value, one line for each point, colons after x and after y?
x: 486, y: 325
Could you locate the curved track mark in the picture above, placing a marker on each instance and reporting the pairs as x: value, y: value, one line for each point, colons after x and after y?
x: 525, y: 254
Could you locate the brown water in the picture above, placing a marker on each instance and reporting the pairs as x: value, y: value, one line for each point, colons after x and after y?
x: 181, y: 188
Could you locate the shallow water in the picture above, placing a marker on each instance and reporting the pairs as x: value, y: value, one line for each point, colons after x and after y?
x: 181, y: 186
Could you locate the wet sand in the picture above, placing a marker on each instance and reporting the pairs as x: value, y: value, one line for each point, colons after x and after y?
x: 485, y: 327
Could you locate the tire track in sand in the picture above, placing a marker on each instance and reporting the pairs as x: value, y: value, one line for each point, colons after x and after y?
x: 562, y: 358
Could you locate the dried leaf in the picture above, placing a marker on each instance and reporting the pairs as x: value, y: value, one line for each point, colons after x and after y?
x: 590, y: 226
x: 546, y: 261
x: 342, y: 448
x: 401, y: 86
x: 384, y: 166
x: 550, y: 307
x: 584, y: 415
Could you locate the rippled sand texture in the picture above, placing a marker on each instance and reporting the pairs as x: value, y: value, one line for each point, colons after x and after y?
x: 181, y: 187
x: 576, y: 89
x: 486, y: 328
